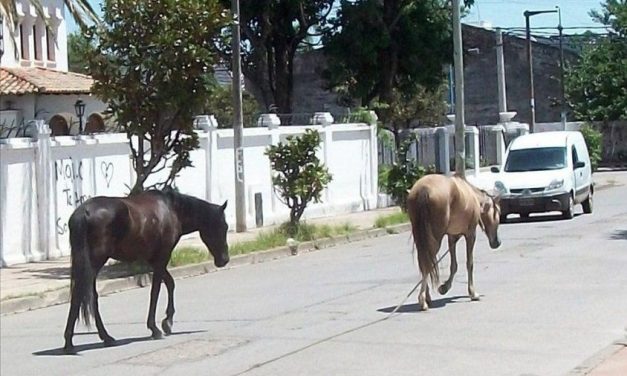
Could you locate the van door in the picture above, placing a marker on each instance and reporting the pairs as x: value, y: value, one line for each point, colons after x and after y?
x: 580, y: 187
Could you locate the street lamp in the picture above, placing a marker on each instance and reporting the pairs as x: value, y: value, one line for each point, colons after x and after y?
x: 79, y: 107
x: 532, y: 104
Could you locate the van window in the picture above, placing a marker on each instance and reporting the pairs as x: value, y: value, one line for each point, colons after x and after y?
x: 536, y: 159
x: 575, y: 156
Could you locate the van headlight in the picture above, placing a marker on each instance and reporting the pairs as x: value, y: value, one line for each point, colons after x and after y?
x: 555, y: 184
x: 500, y: 187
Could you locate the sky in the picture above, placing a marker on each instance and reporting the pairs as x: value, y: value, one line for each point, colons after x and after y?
x: 506, y: 13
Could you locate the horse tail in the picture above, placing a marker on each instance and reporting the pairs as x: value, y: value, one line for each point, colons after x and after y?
x: 82, y: 273
x: 418, y: 209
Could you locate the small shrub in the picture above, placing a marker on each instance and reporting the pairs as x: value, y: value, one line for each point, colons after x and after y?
x: 594, y: 142
x: 299, y: 177
x: 404, y: 173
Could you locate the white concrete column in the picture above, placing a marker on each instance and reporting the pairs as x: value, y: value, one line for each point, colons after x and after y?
x: 43, y: 178
x: 326, y: 137
x: 271, y: 121
x: 208, y: 124
x: 472, y: 147
x: 322, y: 118
x: 374, y: 163
x: 443, y: 151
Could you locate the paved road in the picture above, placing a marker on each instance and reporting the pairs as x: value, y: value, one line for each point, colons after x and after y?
x: 553, y: 295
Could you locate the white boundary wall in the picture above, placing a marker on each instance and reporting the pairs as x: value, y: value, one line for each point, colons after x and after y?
x: 43, y: 180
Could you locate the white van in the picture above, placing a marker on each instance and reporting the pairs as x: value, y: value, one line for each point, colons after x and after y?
x: 547, y: 171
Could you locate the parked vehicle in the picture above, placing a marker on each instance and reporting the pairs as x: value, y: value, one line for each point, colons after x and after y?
x: 548, y: 171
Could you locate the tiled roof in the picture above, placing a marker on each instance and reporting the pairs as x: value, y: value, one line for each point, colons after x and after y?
x: 19, y: 81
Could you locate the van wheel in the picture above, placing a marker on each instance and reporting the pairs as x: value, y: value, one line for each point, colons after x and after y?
x: 570, y: 212
x: 524, y: 215
x: 587, y: 204
x: 503, y: 218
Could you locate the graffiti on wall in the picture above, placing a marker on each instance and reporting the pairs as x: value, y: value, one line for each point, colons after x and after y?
x: 69, y: 177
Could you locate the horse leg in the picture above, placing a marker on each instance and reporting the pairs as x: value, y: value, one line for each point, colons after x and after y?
x: 470, y: 245
x: 166, y: 324
x: 157, y: 276
x: 102, y: 332
x: 71, y: 322
x: 423, y: 305
x: 452, y: 242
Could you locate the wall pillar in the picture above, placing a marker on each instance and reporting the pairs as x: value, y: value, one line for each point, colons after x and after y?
x: 472, y: 147
x: 208, y: 124
x: 43, y: 179
x: 442, y: 150
x: 374, y: 164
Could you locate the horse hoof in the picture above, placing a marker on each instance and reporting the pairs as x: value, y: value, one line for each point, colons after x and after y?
x: 156, y: 334
x: 109, y: 342
x: 166, y: 325
x: 69, y: 349
x: 443, y: 289
x: 423, y: 306
x: 475, y: 298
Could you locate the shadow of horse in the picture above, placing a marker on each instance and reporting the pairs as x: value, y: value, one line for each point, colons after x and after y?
x: 60, y: 351
x: 619, y: 235
x: 415, y: 307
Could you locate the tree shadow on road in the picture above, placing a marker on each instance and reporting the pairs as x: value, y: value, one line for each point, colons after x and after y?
x: 59, y: 351
x: 619, y: 235
x: 413, y: 307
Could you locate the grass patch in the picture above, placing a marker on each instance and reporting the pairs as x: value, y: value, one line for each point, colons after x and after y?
x: 188, y: 255
x: 384, y: 221
x: 264, y: 240
x: 278, y: 237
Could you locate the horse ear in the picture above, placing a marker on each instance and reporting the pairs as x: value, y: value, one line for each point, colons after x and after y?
x: 224, y: 205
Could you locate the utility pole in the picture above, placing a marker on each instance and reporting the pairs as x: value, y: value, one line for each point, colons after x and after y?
x: 238, y: 127
x: 460, y: 144
x: 532, y: 101
x: 562, y: 89
x: 500, y: 69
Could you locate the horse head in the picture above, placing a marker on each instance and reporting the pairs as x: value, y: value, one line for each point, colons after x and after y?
x: 213, y: 234
x: 490, y: 218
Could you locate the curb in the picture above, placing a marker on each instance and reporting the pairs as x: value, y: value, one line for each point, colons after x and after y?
x: 598, y: 358
x: 113, y: 285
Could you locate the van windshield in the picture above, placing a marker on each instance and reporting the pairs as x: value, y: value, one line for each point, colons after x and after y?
x: 536, y: 159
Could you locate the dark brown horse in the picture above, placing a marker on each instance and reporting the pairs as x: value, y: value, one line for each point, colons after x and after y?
x: 146, y: 227
x: 438, y: 205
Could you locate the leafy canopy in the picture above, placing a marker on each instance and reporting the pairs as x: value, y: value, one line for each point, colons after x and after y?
x: 597, y: 87
x: 153, y: 66
x: 272, y: 31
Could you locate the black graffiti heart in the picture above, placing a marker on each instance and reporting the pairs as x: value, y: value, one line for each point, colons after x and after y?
x: 107, y: 172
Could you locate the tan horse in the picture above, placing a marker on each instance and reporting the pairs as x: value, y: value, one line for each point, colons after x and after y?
x: 439, y: 205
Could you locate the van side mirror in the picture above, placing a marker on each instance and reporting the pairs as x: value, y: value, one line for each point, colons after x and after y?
x: 580, y: 164
x: 494, y: 169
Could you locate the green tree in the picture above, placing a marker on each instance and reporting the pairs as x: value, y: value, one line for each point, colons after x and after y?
x: 220, y: 104
x: 299, y: 177
x: 153, y: 66
x: 390, y: 53
x: 596, y: 86
x: 78, y: 49
x: 272, y: 31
